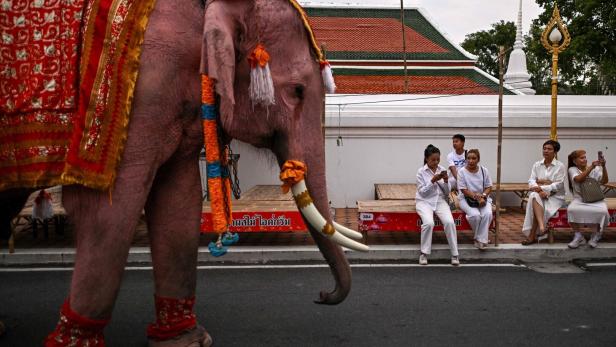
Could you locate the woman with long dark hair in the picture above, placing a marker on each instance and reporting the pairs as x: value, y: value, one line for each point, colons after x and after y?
x: 430, y: 199
x: 580, y: 213
x: 547, y: 193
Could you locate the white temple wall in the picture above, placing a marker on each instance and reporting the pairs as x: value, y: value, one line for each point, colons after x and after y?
x: 384, y: 143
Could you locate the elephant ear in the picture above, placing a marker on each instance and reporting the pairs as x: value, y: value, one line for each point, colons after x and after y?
x: 218, y: 54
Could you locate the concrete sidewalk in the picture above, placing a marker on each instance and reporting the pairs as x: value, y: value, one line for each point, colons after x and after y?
x: 299, y: 246
x: 140, y: 256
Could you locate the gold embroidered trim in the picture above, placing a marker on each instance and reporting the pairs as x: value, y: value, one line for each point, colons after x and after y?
x: 328, y: 229
x: 303, y: 199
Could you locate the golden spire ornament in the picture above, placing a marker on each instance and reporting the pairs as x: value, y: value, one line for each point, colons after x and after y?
x: 555, y: 38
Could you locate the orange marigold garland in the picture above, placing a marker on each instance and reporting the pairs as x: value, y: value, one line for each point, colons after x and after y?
x: 218, y: 180
x: 292, y: 172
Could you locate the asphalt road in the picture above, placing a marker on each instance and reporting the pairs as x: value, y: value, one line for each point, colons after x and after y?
x: 485, y: 306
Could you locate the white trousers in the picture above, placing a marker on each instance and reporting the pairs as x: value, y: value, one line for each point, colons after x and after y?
x: 427, y: 218
x: 478, y: 218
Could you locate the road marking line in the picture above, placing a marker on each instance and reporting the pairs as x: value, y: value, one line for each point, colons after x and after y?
x: 291, y: 266
x: 599, y: 264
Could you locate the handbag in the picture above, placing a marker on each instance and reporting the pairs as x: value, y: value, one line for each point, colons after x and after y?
x: 471, y: 201
x: 452, y: 204
x: 591, y: 191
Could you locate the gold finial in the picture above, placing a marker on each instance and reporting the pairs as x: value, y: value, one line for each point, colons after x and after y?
x: 555, y: 40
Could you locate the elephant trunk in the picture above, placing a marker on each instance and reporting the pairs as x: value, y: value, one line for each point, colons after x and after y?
x: 339, y: 265
x: 310, y: 194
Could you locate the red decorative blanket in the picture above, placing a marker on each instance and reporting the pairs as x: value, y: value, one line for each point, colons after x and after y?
x: 67, y: 75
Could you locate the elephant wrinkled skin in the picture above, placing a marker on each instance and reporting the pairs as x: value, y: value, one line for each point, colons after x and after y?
x: 159, y: 169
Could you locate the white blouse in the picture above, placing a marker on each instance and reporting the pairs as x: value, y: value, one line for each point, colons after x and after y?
x: 554, y: 172
x: 426, y: 190
x: 474, y: 181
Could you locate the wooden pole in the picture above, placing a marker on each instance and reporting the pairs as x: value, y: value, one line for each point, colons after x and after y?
x: 501, y: 57
x: 406, y: 81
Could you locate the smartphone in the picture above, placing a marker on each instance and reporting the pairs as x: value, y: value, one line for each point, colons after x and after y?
x: 600, y: 155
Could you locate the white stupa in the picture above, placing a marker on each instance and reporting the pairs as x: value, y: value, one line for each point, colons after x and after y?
x: 517, y: 75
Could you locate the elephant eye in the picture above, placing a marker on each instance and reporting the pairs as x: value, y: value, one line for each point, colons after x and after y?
x: 299, y: 92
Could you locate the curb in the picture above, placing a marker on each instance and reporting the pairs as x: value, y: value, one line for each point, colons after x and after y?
x: 378, y: 253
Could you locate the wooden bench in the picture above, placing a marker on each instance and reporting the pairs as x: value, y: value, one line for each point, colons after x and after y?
x: 394, y: 210
x: 266, y: 193
x: 395, y: 191
x: 407, y: 191
x: 519, y: 189
x: 560, y: 220
x: 608, y: 187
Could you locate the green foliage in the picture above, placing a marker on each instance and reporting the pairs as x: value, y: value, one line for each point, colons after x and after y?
x: 484, y: 44
x: 587, y: 66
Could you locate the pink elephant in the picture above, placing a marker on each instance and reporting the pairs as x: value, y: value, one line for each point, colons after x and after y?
x: 159, y: 171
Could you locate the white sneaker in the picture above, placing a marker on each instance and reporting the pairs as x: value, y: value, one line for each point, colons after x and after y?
x: 423, y: 259
x: 483, y: 246
x: 578, y: 240
x: 594, y: 239
x: 455, y: 261
x: 477, y: 244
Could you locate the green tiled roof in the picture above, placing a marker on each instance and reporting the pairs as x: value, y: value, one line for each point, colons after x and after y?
x: 413, y: 19
x: 470, y: 74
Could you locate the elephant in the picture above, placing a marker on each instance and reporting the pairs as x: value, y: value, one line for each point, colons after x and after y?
x: 159, y: 170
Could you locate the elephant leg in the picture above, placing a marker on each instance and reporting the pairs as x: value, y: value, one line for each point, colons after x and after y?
x: 173, y: 215
x: 105, y: 224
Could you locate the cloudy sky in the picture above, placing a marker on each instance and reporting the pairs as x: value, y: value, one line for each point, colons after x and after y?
x: 459, y: 17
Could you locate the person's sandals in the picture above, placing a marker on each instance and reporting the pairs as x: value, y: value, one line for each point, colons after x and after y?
x: 528, y: 242
x: 542, y: 235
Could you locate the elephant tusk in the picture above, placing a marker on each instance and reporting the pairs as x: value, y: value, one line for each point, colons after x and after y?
x: 348, y: 232
x: 316, y: 220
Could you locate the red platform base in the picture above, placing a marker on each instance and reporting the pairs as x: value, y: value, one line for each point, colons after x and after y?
x: 560, y: 221
x: 404, y: 221
x: 260, y: 221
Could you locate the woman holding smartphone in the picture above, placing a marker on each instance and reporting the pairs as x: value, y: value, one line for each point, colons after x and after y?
x: 432, y: 191
x: 582, y: 213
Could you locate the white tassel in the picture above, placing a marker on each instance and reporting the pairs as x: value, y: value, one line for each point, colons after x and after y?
x: 262, y: 86
x: 261, y: 89
x: 328, y: 79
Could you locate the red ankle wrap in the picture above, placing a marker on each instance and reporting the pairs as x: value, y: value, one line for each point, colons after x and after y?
x: 75, y: 330
x: 173, y: 317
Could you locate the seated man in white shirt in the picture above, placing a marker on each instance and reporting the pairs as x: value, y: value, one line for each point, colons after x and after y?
x: 456, y: 160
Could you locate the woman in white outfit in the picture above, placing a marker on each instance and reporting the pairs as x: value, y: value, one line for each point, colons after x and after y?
x: 547, y: 193
x: 579, y: 212
x: 430, y: 199
x: 475, y: 184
